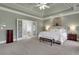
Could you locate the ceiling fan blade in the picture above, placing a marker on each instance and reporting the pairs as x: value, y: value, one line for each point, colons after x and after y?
x: 47, y: 6
x: 42, y: 6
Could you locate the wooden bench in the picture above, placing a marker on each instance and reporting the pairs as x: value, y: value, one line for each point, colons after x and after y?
x: 47, y: 40
x: 52, y: 41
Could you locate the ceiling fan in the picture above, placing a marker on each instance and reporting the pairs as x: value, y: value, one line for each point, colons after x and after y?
x: 42, y: 6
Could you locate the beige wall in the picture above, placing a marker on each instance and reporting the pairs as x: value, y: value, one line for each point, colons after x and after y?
x: 68, y: 21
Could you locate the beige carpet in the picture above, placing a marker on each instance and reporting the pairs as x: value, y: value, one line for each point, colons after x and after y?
x: 34, y: 47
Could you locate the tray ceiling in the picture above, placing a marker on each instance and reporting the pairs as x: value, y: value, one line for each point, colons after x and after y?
x: 31, y: 9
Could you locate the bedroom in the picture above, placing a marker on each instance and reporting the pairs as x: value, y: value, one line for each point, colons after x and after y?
x: 10, y: 13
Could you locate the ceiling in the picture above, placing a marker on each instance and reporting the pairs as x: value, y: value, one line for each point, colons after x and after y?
x: 31, y: 9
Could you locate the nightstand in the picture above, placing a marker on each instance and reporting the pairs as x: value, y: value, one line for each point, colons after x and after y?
x: 72, y: 37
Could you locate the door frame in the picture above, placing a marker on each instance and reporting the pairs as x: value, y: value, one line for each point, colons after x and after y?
x: 17, y: 29
x: 22, y: 29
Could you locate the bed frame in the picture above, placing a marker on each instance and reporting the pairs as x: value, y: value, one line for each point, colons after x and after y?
x: 52, y: 41
x: 47, y: 40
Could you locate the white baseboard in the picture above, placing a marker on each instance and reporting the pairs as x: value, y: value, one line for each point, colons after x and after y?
x: 1, y: 42
x: 19, y: 39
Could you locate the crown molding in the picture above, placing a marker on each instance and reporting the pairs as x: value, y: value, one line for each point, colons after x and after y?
x: 24, y: 14
x: 65, y: 14
x: 25, y: 8
x: 18, y: 12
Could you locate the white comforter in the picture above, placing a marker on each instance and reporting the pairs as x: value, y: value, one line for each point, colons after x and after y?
x: 57, y: 34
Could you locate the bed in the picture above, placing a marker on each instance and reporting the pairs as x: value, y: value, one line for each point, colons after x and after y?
x: 58, y: 34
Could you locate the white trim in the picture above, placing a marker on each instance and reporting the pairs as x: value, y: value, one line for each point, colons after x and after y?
x: 19, y: 39
x: 21, y: 13
x: 17, y: 29
x: 70, y: 13
x: 17, y: 12
x: 1, y: 42
x: 25, y: 8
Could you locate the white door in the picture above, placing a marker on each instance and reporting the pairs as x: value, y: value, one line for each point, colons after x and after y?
x: 19, y: 29
x: 26, y: 29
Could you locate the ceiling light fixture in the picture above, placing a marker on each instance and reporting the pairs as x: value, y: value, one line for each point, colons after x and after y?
x: 42, y: 6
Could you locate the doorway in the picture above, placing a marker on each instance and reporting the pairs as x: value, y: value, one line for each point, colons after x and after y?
x: 26, y: 29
